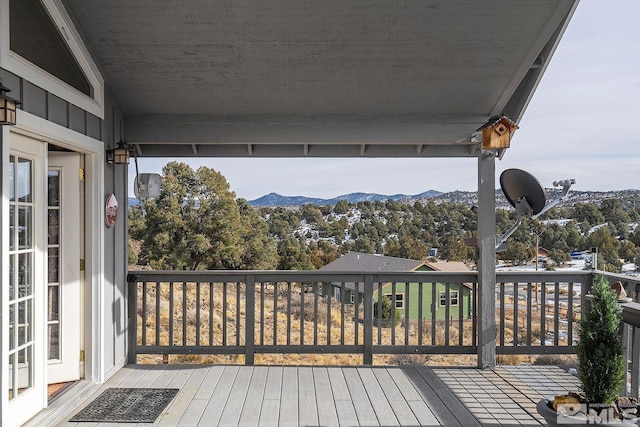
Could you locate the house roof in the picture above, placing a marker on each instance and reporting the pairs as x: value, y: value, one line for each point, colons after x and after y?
x: 452, y: 266
x: 364, y: 78
x: 363, y: 262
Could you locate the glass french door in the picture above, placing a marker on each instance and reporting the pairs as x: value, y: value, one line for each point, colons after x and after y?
x: 64, y: 299
x: 26, y: 393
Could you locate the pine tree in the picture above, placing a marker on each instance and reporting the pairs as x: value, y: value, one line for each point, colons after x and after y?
x: 600, y: 353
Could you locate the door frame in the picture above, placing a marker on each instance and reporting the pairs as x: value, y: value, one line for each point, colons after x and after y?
x: 94, y: 238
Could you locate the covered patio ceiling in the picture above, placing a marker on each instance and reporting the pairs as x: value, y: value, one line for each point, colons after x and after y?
x: 290, y: 78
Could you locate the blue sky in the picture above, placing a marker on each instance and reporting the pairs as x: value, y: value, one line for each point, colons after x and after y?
x: 583, y: 122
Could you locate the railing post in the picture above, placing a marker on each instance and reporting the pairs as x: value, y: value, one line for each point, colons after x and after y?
x: 249, y: 327
x: 132, y: 318
x: 367, y: 354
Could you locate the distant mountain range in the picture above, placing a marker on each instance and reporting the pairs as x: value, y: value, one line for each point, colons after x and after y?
x: 275, y: 199
x: 470, y: 198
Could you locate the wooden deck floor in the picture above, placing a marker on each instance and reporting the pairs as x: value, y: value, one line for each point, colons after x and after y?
x: 349, y: 396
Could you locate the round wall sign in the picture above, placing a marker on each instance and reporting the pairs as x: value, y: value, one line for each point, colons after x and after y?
x: 111, y: 210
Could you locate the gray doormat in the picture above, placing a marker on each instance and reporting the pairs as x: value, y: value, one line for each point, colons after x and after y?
x: 127, y: 405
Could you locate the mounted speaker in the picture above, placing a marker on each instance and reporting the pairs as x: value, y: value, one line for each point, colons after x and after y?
x: 147, y: 185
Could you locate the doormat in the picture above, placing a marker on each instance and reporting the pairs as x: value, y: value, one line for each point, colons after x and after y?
x: 127, y: 405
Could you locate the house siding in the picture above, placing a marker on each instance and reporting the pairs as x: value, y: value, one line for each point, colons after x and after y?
x: 115, y: 252
x: 48, y: 106
x: 411, y: 300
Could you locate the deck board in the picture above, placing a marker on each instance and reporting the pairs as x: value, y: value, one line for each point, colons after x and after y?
x: 439, y: 408
x: 345, y: 411
x: 420, y: 409
x: 362, y: 405
x: 454, y: 406
x: 401, y: 409
x: 289, y: 398
x: 233, y: 408
x: 194, y: 410
x: 307, y: 406
x: 270, y: 412
x: 377, y: 396
x: 173, y: 415
x: 255, y: 396
x: 327, y: 415
x: 345, y: 396
x: 218, y: 400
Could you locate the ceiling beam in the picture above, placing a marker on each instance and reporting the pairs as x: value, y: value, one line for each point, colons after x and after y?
x: 310, y: 130
x: 304, y: 150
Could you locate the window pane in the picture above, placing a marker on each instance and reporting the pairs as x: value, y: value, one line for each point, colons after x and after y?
x: 12, y: 228
x: 24, y: 181
x: 54, y: 341
x: 12, y: 277
x: 25, y: 321
x: 53, y: 308
x: 53, y: 194
x: 454, y: 297
x: 24, y: 227
x: 25, y: 373
x: 54, y: 226
x: 24, y: 275
x: 12, y: 326
x: 12, y: 361
x: 54, y: 264
x: 12, y: 179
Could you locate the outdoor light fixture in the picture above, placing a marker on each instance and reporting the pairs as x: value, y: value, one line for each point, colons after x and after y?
x: 119, y: 155
x: 7, y: 107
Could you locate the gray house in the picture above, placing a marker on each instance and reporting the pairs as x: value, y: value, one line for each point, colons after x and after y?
x: 99, y: 82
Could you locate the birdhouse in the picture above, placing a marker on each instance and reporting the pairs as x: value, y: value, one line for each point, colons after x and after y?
x: 496, y: 133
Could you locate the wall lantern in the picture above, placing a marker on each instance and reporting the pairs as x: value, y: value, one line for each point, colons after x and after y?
x: 7, y: 107
x: 119, y: 155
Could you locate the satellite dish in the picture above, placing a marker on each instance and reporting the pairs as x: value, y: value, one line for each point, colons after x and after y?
x: 526, y: 195
x: 518, y: 185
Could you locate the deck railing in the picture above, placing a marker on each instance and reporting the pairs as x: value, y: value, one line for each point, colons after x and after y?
x: 300, y: 312
x: 538, y: 312
x: 235, y: 312
x: 312, y: 312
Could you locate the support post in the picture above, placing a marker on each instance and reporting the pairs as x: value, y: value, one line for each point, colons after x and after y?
x: 486, y: 260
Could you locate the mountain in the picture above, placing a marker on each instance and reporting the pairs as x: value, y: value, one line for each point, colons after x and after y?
x: 470, y: 198
x: 274, y: 199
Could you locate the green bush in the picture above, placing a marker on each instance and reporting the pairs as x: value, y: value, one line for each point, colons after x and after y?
x: 600, y: 352
x: 385, y: 305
